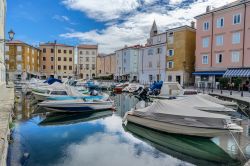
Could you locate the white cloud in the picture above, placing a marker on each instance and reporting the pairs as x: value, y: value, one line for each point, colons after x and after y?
x: 93, y: 151
x: 102, y: 10
x: 134, y: 28
x: 61, y: 18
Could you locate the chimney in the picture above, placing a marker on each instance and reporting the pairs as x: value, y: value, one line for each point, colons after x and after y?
x: 192, y: 24
x: 208, y: 9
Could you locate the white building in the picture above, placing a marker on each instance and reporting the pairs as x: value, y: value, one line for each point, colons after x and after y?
x: 152, y: 58
x: 127, y: 63
x: 2, y: 37
x: 87, y: 55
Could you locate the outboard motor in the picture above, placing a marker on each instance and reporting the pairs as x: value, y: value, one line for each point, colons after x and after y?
x: 93, y: 93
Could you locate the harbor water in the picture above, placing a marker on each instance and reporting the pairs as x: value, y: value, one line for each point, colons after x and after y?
x: 100, y: 138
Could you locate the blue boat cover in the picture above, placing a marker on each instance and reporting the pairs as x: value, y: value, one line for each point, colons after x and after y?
x: 156, y: 85
x: 52, y: 81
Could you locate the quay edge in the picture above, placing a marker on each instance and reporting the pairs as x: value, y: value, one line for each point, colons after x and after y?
x: 6, y: 108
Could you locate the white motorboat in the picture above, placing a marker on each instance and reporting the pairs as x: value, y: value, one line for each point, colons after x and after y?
x: 78, y: 105
x: 132, y: 88
x: 167, y: 116
x: 55, y: 91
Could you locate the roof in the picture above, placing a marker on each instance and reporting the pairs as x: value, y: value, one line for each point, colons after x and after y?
x: 54, y: 44
x: 86, y: 46
x: 17, y: 42
x: 133, y: 47
x: 230, y: 5
x: 181, y: 27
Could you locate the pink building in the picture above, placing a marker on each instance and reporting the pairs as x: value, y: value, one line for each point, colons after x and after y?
x: 223, y: 43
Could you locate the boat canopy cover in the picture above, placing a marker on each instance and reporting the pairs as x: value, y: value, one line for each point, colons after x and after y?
x: 182, y: 113
x: 156, y: 85
x: 171, y: 88
x: 52, y: 81
x: 216, y: 100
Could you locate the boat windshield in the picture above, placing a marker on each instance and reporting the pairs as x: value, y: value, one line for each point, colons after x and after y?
x: 59, y: 93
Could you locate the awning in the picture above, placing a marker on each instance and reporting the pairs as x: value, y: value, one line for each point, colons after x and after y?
x: 209, y: 73
x: 237, y: 72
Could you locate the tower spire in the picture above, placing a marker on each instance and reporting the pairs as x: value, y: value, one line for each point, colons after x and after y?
x: 153, y: 30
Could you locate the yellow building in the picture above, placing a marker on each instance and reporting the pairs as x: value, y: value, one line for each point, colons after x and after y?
x: 180, y: 54
x: 57, y: 60
x: 22, y: 60
x: 106, y: 64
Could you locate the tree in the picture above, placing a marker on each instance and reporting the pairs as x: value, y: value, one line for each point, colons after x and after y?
x: 223, y: 82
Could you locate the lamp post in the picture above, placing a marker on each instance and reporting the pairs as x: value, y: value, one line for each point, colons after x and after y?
x: 11, y: 37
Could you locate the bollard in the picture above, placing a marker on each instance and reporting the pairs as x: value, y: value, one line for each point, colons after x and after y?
x: 231, y: 92
x: 221, y: 91
x: 242, y: 93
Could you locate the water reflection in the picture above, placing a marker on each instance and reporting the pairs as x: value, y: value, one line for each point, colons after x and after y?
x: 100, y: 139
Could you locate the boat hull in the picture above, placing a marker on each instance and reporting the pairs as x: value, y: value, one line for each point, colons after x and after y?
x: 77, y: 107
x: 176, y: 129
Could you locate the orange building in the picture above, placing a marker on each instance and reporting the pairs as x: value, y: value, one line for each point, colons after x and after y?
x: 57, y: 60
x: 106, y: 64
x: 22, y: 60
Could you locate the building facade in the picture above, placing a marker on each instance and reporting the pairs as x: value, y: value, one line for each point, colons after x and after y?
x: 152, y: 58
x: 22, y: 60
x: 180, y: 54
x: 106, y: 64
x: 223, y: 43
x: 2, y: 43
x: 57, y: 60
x: 87, y: 55
x: 127, y: 63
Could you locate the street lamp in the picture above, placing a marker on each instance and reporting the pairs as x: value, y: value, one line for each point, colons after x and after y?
x: 11, y: 34
x: 11, y: 37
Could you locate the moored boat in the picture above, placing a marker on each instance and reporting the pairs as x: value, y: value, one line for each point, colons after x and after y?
x: 167, y: 116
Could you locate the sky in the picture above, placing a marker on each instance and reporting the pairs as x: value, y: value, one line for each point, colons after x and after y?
x: 109, y: 23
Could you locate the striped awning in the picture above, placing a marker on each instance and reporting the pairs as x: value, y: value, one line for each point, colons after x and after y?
x: 209, y: 73
x: 237, y: 72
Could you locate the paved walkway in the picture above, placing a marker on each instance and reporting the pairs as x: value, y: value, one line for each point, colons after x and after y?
x: 6, y: 107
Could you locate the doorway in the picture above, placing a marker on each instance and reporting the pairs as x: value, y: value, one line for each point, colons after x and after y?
x: 178, y: 79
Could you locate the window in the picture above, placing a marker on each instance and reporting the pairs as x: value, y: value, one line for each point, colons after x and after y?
x: 64, y: 67
x: 169, y: 78
x: 70, y: 51
x: 170, y: 52
x: 28, y: 50
x: 150, y: 64
x: 236, y: 38
x: 63, y: 93
x: 205, y: 42
x: 28, y: 59
x: 19, y: 48
x: 236, y: 19
x: 204, y: 59
x: 59, y: 58
x: 87, y: 59
x: 65, y: 51
x: 93, y: 52
x: 59, y: 51
x: 59, y: 67
x: 219, y: 40
x: 124, y: 60
x: 7, y: 57
x: 7, y: 48
x: 220, y: 22
x: 206, y: 26
x: 235, y: 56
x: 87, y: 66
x: 70, y: 59
x: 150, y: 51
x: 19, y: 67
x: 51, y: 67
x: 87, y: 52
x: 44, y: 58
x: 19, y: 58
x: 93, y: 59
x: 52, y: 58
x: 52, y: 50
x: 32, y: 51
x: 170, y: 64
x: 159, y: 38
x: 70, y: 67
x: 218, y: 58
x: 44, y: 67
x: 150, y: 77
x: 159, y: 50
x: 64, y: 59
x: 44, y: 50
x: 93, y: 66
x: 80, y: 52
